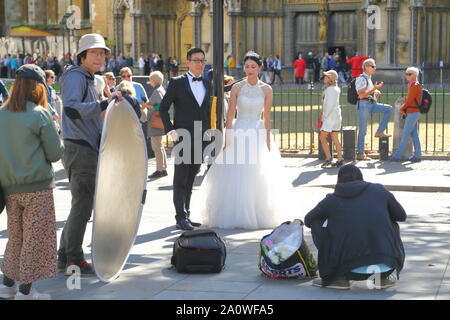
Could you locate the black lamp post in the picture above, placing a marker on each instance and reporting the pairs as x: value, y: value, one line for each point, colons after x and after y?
x: 218, y: 47
x: 218, y: 58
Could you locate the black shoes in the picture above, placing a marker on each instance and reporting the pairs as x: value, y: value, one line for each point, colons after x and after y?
x: 327, y: 164
x: 194, y: 224
x: 338, y: 164
x: 187, y: 224
x: 184, y: 225
x: 158, y: 174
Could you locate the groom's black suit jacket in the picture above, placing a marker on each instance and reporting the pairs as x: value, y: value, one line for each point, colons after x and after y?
x: 186, y: 107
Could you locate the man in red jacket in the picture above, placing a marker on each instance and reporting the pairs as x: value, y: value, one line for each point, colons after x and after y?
x: 356, y: 63
x: 299, y: 66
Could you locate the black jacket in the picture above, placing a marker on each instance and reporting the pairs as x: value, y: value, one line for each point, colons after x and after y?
x: 362, y: 229
x: 187, y: 110
x: 134, y: 103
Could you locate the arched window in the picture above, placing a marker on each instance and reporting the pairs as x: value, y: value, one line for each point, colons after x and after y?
x: 87, y: 10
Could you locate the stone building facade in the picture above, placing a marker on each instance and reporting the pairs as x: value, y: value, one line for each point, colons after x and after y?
x: 399, y: 33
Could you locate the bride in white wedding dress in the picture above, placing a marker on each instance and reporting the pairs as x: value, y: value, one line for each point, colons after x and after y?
x: 245, y: 187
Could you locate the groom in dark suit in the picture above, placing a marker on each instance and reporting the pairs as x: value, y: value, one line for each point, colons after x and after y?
x: 190, y: 94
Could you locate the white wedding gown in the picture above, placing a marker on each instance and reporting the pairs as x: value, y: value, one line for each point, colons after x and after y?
x: 246, y: 187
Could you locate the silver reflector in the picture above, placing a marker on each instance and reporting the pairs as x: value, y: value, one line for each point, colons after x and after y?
x: 120, y: 187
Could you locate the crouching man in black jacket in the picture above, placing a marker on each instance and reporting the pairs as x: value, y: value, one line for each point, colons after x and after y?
x: 356, y: 233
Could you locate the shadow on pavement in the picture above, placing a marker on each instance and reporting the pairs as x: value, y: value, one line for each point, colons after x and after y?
x: 392, y: 167
x: 158, y: 235
x: 314, y: 163
x: 134, y: 260
x: 308, y: 176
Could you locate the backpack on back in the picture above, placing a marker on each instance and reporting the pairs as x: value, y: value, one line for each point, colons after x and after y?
x: 199, y: 251
x: 425, y: 101
x: 352, y: 94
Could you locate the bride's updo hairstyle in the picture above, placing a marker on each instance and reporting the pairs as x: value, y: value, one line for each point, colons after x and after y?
x: 254, y: 57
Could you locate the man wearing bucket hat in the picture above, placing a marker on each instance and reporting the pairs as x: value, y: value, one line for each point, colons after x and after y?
x: 82, y: 127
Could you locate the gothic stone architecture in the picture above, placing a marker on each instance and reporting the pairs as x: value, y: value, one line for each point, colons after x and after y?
x: 396, y: 33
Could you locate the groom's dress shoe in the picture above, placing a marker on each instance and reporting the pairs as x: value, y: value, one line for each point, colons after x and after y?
x: 184, y: 225
x: 194, y: 224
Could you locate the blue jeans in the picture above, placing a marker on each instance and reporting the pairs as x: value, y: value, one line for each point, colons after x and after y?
x: 365, y: 108
x: 341, y: 77
x: 411, y: 129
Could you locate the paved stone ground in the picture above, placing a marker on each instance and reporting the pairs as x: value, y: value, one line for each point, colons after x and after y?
x: 148, y: 274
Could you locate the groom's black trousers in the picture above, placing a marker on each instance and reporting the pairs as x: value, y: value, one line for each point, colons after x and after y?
x: 184, y: 177
x: 183, y: 182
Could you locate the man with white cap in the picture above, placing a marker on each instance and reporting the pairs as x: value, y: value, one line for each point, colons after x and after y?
x: 82, y: 127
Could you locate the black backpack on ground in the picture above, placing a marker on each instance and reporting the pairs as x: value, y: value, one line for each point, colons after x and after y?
x: 199, y: 251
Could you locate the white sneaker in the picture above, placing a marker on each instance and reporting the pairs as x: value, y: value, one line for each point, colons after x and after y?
x: 33, y: 295
x: 7, y: 292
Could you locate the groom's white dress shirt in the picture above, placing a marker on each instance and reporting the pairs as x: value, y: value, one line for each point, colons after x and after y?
x: 197, y: 88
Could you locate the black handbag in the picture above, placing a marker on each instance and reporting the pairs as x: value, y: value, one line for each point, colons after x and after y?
x: 2, y: 200
x: 199, y: 251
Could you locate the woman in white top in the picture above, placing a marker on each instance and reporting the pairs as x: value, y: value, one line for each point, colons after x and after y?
x: 331, y: 118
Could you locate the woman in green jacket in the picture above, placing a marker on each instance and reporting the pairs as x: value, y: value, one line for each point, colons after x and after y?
x: 29, y: 143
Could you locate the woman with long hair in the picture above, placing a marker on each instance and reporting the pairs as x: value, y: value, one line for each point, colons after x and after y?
x: 29, y: 143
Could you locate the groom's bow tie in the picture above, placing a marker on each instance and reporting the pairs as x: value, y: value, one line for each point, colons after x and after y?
x: 197, y: 79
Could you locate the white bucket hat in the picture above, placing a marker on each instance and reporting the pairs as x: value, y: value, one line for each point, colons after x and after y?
x: 91, y: 41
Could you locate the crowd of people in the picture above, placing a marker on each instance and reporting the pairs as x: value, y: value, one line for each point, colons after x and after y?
x: 9, y: 64
x: 311, y: 68
x: 30, y: 141
x: 308, y: 68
